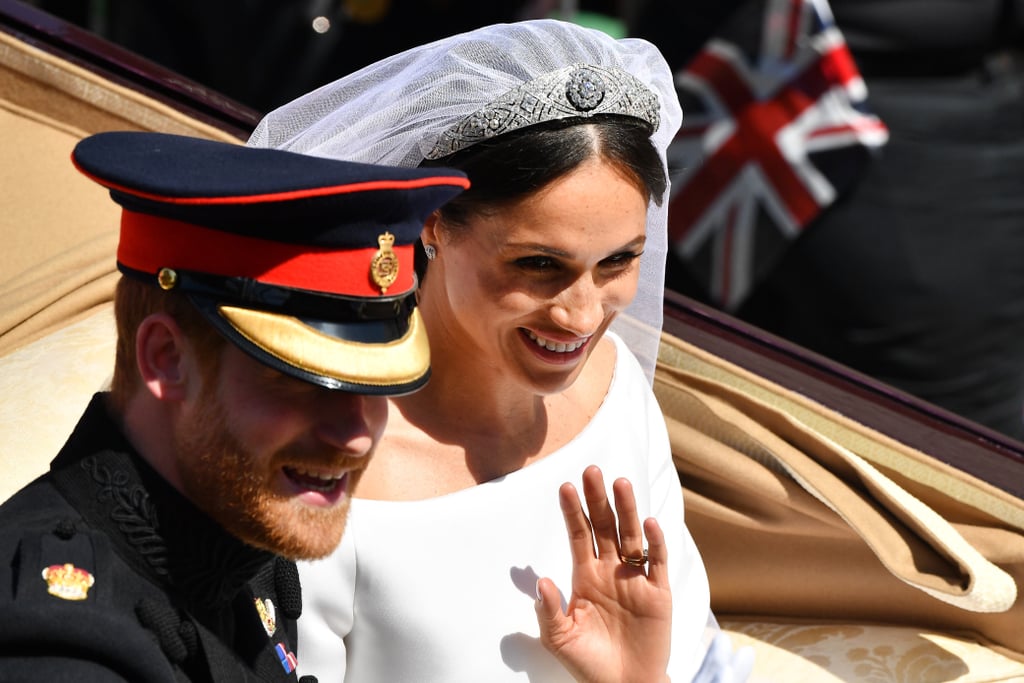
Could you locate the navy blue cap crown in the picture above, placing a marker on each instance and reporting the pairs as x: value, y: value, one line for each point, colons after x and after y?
x: 304, y: 262
x: 268, y: 193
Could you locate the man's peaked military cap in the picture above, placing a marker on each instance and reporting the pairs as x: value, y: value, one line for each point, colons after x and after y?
x: 303, y: 262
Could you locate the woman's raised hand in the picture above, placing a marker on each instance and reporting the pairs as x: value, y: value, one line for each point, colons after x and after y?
x: 617, y: 627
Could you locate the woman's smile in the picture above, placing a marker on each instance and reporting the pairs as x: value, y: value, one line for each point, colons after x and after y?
x: 552, y: 351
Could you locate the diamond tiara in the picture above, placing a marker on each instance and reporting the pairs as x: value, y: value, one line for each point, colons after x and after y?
x: 578, y: 90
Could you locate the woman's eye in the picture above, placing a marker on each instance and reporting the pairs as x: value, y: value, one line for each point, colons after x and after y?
x: 538, y: 263
x: 621, y: 260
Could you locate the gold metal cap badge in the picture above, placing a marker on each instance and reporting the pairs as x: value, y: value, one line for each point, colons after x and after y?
x: 384, y: 267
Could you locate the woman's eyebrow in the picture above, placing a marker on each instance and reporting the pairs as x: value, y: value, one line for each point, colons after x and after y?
x: 547, y: 249
x: 535, y: 246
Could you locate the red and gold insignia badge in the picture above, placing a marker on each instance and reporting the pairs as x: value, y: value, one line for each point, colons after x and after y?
x: 384, y: 267
x: 268, y: 615
x: 68, y: 582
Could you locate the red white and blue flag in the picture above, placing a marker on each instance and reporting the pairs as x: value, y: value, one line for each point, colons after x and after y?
x: 775, y: 128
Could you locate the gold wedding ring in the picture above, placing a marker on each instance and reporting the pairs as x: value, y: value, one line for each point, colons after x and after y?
x: 634, y: 561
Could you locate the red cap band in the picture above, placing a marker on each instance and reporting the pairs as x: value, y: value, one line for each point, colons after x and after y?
x: 149, y: 243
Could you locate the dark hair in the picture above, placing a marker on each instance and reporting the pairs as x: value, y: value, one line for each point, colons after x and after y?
x: 513, y: 166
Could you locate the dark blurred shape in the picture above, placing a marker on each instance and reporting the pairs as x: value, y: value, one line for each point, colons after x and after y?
x: 915, y: 276
x: 264, y: 53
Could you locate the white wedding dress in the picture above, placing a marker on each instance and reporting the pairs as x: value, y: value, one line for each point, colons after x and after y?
x: 443, y: 589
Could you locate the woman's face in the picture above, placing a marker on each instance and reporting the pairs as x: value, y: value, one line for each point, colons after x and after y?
x: 530, y: 289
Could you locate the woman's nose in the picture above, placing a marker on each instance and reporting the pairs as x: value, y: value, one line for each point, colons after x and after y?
x: 579, y: 308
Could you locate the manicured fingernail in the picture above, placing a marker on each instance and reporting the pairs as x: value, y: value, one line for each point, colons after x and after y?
x: 536, y: 589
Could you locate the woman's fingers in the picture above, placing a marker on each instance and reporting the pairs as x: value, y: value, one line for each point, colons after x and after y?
x: 631, y: 535
x: 581, y: 538
x: 617, y: 533
x: 602, y: 518
x: 657, y: 553
x: 553, y: 623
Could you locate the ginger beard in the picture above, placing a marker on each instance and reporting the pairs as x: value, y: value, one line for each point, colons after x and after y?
x: 234, y: 486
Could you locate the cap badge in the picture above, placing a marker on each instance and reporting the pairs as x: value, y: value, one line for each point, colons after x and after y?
x: 68, y: 582
x: 384, y: 267
x: 268, y: 615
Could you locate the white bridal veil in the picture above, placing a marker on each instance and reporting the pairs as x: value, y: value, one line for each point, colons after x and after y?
x: 394, y: 111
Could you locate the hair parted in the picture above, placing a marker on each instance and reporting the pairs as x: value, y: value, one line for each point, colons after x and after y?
x: 511, y: 167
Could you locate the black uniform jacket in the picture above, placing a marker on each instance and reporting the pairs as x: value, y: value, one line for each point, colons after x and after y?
x: 109, y: 574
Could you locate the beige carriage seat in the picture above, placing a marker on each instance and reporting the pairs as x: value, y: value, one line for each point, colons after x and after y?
x: 60, y: 230
x: 57, y: 270
x: 836, y: 553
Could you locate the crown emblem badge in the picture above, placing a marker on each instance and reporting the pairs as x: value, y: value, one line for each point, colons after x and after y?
x: 68, y: 582
x: 384, y: 267
x: 268, y: 615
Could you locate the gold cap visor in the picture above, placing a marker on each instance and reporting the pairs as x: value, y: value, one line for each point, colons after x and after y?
x: 392, y: 367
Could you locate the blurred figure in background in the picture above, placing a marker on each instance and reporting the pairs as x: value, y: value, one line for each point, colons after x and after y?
x: 264, y: 53
x: 903, y: 263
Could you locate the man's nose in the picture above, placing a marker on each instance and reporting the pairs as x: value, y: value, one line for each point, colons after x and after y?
x: 350, y: 422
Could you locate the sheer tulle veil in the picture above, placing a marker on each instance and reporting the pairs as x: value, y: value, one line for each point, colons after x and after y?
x: 393, y: 112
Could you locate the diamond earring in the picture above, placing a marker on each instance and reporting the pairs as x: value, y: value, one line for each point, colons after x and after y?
x: 430, y: 251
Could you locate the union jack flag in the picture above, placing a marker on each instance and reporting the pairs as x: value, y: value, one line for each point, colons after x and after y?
x: 775, y: 128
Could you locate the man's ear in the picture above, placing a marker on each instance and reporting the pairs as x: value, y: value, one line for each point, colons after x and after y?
x: 162, y: 357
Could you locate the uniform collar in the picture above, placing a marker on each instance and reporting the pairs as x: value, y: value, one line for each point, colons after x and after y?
x: 153, y: 526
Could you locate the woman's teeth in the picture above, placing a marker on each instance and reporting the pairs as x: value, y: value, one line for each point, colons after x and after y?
x: 558, y: 347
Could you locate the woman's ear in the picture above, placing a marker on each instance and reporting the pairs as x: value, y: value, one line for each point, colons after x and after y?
x: 431, y: 228
x: 162, y: 357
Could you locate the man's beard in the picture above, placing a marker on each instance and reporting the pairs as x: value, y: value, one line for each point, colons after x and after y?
x: 232, y: 486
